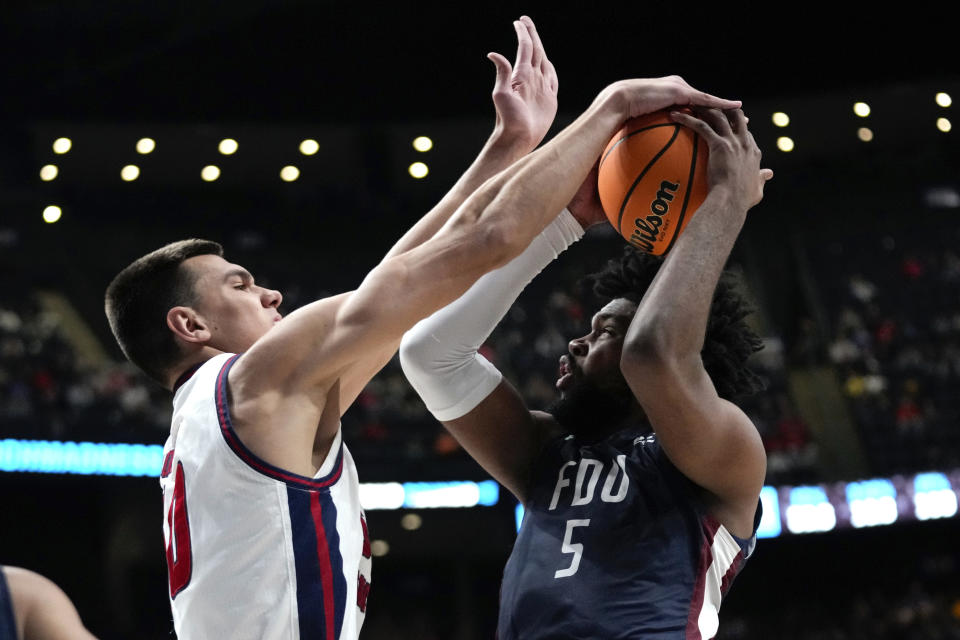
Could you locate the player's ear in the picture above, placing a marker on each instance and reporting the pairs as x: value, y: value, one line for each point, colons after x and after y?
x: 188, y: 325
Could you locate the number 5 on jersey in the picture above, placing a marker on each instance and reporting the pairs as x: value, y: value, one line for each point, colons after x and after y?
x: 569, y: 546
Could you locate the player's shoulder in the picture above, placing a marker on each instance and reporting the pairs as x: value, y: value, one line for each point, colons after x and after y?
x: 27, y: 587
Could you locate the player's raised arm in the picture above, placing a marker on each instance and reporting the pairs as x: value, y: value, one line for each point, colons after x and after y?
x: 492, y: 226
x: 525, y: 100
x: 708, y: 438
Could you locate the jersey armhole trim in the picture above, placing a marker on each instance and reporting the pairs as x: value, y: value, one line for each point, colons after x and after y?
x: 251, y: 459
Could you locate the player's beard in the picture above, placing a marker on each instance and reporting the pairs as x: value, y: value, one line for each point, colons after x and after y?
x: 591, y: 411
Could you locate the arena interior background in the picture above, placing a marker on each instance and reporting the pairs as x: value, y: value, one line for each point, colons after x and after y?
x: 851, y: 261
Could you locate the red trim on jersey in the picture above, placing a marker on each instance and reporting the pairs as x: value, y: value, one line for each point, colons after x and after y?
x: 167, y: 464
x: 731, y: 573
x: 711, y: 526
x: 250, y: 458
x: 326, y: 572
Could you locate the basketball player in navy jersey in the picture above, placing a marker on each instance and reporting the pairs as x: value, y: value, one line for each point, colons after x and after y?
x: 265, y: 534
x: 34, y: 608
x: 641, y: 485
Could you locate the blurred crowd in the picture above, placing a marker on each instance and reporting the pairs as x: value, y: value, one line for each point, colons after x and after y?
x: 894, y: 342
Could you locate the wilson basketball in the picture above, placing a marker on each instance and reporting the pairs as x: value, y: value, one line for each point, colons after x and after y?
x: 652, y: 179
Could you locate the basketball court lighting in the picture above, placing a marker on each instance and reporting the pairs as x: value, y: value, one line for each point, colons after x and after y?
x: 145, y: 145
x: 865, y: 134
x: 289, y: 173
x: 785, y: 144
x: 422, y: 143
x: 862, y: 109
x: 379, y: 548
x: 944, y: 125
x: 411, y: 521
x: 210, y: 173
x: 130, y: 173
x: 944, y: 99
x: 781, y: 119
x: 309, y: 147
x: 227, y: 146
x: 62, y: 145
x: 51, y: 214
x: 418, y: 170
x: 48, y: 172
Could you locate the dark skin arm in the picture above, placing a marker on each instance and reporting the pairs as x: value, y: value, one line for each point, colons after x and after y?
x: 709, y: 439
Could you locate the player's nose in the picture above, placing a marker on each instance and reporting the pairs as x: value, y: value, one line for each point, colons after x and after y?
x: 578, y: 346
x: 271, y: 298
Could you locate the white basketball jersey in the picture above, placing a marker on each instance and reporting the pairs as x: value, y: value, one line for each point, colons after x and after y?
x: 254, y: 551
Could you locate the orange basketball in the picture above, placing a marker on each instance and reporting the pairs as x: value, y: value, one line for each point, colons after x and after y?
x: 652, y: 179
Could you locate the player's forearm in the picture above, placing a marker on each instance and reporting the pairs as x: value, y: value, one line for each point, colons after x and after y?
x: 439, y: 354
x: 500, y: 151
x: 672, y: 318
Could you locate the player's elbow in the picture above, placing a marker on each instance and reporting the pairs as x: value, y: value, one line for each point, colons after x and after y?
x: 417, y: 352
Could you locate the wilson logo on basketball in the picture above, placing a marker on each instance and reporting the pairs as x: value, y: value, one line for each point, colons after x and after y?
x: 646, y: 230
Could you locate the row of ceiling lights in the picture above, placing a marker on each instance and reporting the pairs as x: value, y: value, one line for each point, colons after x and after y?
x: 309, y: 147
x: 227, y: 146
x: 861, y: 109
x: 211, y: 172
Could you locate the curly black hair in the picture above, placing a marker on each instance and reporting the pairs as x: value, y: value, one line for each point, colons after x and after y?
x: 729, y: 340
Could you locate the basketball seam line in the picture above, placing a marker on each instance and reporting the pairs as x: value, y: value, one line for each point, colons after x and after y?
x: 626, y: 198
x: 686, y: 196
x: 632, y: 133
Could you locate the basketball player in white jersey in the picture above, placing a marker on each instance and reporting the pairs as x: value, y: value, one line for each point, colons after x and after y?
x: 264, y: 530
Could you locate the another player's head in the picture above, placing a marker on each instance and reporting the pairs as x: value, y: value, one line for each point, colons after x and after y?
x: 593, y: 390
x: 183, y: 303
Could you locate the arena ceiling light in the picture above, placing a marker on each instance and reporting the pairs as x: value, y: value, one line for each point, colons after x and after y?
x: 944, y: 99
x: 309, y: 147
x: 289, y: 173
x: 418, y: 170
x: 146, y: 145
x: 944, y: 125
x: 781, y: 119
x: 62, y: 145
x: 48, y: 172
x: 411, y: 521
x: 422, y: 143
x: 210, y: 173
x: 862, y: 109
x: 130, y: 173
x: 228, y: 146
x: 785, y: 144
x: 865, y: 134
x: 52, y: 213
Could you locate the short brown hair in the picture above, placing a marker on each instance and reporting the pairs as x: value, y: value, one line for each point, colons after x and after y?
x: 139, y: 297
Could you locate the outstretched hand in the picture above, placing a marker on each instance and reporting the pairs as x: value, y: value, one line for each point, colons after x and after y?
x: 734, y: 161
x: 525, y: 95
x: 647, y: 95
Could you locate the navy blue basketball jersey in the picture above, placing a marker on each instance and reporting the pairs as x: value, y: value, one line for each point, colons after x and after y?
x: 615, y: 543
x: 8, y: 625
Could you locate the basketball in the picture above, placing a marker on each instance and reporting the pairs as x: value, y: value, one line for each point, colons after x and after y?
x: 652, y: 179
